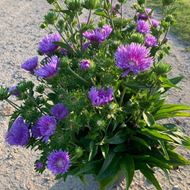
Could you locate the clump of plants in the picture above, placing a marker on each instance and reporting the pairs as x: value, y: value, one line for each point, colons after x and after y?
x: 99, y: 104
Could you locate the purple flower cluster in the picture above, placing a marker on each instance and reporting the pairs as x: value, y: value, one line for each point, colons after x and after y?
x: 151, y: 41
x: 45, y: 127
x: 58, y: 162
x: 133, y: 58
x: 144, y: 16
x: 59, y: 111
x: 50, y: 69
x: 100, y: 97
x: 18, y: 134
x: 47, y: 44
x: 30, y: 64
x: 85, y: 64
x: 143, y: 27
x: 99, y: 34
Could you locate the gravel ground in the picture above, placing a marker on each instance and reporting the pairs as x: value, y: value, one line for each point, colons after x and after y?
x: 19, y: 36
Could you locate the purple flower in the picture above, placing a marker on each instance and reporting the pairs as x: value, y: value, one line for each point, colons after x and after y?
x: 47, y: 45
x: 36, y: 131
x: 100, y: 97
x: 151, y: 41
x: 144, y: 16
x: 50, y: 69
x: 59, y: 111
x: 85, y: 64
x: 47, y: 126
x: 18, y: 134
x: 133, y: 58
x: 30, y: 64
x: 143, y: 27
x: 38, y: 165
x: 99, y: 34
x: 14, y: 91
x: 58, y: 162
x: 155, y: 23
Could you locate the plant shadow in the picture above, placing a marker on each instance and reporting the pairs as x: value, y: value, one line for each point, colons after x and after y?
x: 73, y: 183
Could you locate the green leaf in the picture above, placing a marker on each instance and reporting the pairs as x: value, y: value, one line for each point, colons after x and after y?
x: 105, y: 150
x: 153, y: 161
x: 93, y: 150
x: 129, y: 169
x: 172, y: 110
x: 140, y: 141
x: 186, y: 142
x: 156, y: 134
x: 100, y: 12
x: 176, y: 80
x: 107, y: 162
x: 119, y: 138
x: 166, y: 83
x: 167, y: 108
x: 89, y: 167
x: 177, y: 159
x: 149, y: 174
x: 162, y: 144
x: 149, y: 119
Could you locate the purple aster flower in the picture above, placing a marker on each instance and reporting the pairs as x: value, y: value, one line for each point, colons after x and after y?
x: 36, y: 131
x: 85, y: 64
x: 143, y: 27
x: 47, y: 45
x: 38, y: 165
x: 14, y: 91
x: 59, y: 111
x: 18, y: 134
x: 99, y: 34
x: 155, y: 23
x: 30, y: 64
x: 58, y: 162
x: 50, y: 69
x: 151, y: 41
x: 47, y: 126
x: 144, y: 16
x: 100, y: 97
x: 133, y: 58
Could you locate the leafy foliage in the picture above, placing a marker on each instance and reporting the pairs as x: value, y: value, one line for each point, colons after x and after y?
x: 123, y: 135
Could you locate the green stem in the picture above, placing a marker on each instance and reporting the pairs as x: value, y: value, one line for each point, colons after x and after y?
x: 13, y: 104
x: 80, y: 31
x: 122, y: 96
x: 89, y: 16
x: 78, y: 76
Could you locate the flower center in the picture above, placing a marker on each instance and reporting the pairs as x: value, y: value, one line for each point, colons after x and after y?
x: 131, y: 63
x: 60, y: 163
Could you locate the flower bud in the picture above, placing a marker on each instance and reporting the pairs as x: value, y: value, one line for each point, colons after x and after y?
x: 138, y: 38
x: 91, y: 4
x: 162, y: 68
x: 3, y: 93
x: 78, y: 152
x: 73, y: 5
x: 40, y: 89
x: 50, y: 18
x: 170, y: 19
